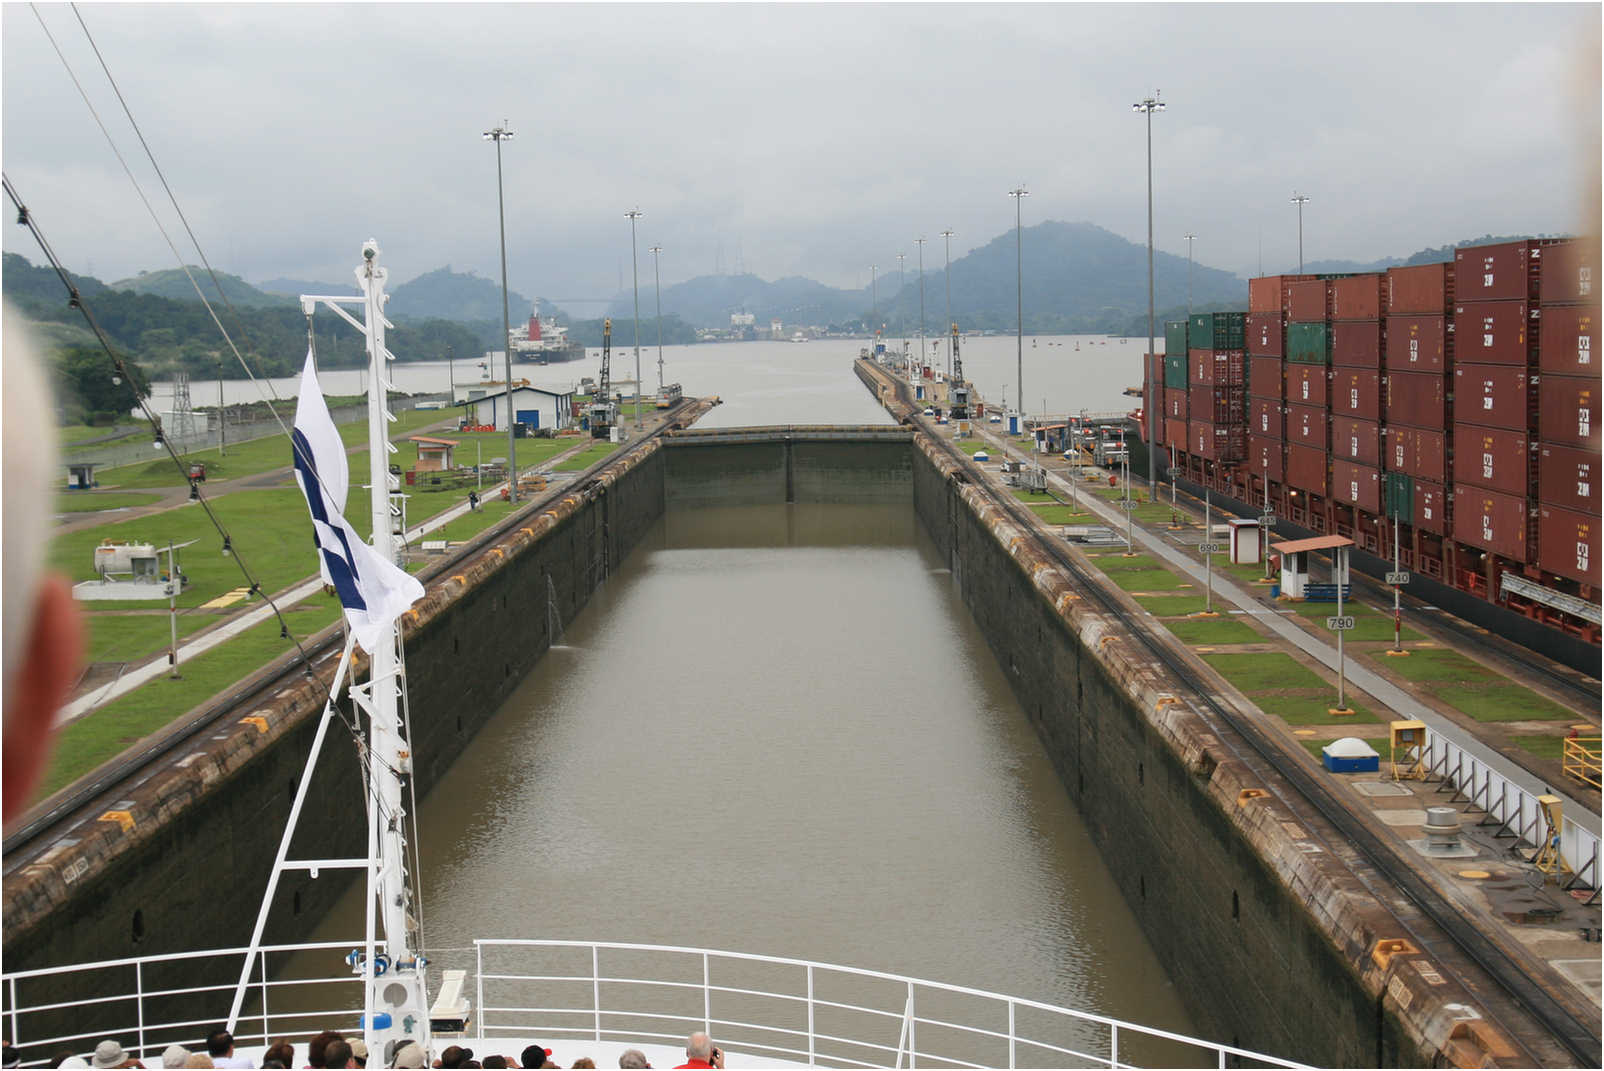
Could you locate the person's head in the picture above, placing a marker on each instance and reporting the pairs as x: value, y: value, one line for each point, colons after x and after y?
x: 455, y: 1056
x: 109, y: 1053
x: 337, y: 1054
x: 534, y: 1056
x: 315, y: 1047
x: 585, y: 1061
x: 699, y: 1047
x: 174, y: 1056
x: 44, y: 640
x: 632, y: 1058
x: 199, y: 1059
x: 409, y: 1054
x: 495, y: 1060
x: 282, y: 1051
x: 359, y: 1051
x: 219, y: 1043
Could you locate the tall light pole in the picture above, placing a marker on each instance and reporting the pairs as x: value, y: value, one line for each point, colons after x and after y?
x: 657, y: 284
x: 902, y: 321
x: 1300, y: 200
x: 498, y: 135
x: 1019, y: 194
x: 1190, y: 238
x: 1147, y: 106
x: 634, y: 274
x: 947, y: 276
x: 874, y: 309
x: 920, y: 242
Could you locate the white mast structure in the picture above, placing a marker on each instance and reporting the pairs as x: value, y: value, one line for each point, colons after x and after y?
x: 395, y: 1006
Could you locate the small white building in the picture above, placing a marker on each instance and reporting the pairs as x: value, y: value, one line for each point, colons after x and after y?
x: 533, y: 406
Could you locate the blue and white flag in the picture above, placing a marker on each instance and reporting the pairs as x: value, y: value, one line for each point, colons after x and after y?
x: 373, y: 591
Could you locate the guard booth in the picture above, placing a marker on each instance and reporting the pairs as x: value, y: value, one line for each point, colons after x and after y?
x: 1013, y: 423
x: 80, y: 475
x: 1294, y: 553
x: 1246, y: 546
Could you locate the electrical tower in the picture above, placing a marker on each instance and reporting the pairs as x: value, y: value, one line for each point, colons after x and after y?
x: 959, y: 393
x: 182, y: 427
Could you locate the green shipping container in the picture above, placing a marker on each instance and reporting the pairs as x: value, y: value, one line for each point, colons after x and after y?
x: 1175, y: 337
x: 1217, y: 331
x: 1399, y: 492
x: 1175, y: 370
x: 1308, y: 344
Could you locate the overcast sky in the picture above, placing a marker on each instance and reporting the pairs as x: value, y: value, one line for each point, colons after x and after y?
x: 791, y: 140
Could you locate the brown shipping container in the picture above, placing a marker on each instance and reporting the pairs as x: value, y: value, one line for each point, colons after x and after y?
x: 1219, y: 368
x: 1431, y: 507
x: 1309, y: 302
x: 1492, y: 396
x: 1568, y: 413
x: 1306, y: 468
x: 1216, y: 442
x: 1416, y: 399
x: 1503, y: 272
x: 1491, y: 521
x: 1358, y: 297
x: 1417, y: 452
x: 1265, y: 419
x: 1493, y: 332
x: 1269, y: 293
x: 1306, y: 426
x: 1356, y: 394
x: 1568, y: 477
x: 1264, y: 377
x: 1306, y: 384
x: 1568, y: 340
x: 1175, y: 404
x: 1266, y: 334
x: 1358, y: 485
x: 1569, y: 273
x: 1416, y: 343
x: 1496, y: 459
x: 1216, y: 405
x: 1356, y: 344
x: 1175, y: 433
x: 1567, y: 543
x: 1356, y: 440
x: 1425, y: 288
x: 1266, y: 457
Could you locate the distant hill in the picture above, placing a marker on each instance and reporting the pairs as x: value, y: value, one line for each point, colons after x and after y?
x: 1443, y: 254
x: 294, y: 288
x: 459, y: 296
x: 174, y: 284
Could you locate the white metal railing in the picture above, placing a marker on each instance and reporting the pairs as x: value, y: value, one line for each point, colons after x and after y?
x: 1511, y: 808
x: 783, y: 1009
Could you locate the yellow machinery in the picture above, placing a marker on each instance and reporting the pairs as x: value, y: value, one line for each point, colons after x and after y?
x: 1549, y: 859
x: 1409, y: 742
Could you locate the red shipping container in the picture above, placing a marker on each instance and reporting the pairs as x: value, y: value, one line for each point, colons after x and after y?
x: 1568, y: 477
x: 1495, y: 459
x: 1266, y: 457
x: 1356, y: 344
x: 1175, y: 404
x: 1356, y: 394
x: 1417, y: 452
x: 1306, y: 384
x: 1567, y: 543
x: 1175, y: 433
x: 1491, y: 521
x: 1431, y: 507
x: 1199, y: 367
x: 1357, y: 485
x: 1505, y: 272
x: 1306, y: 426
x: 1216, y: 405
x: 1569, y: 273
x: 1424, y: 288
x: 1269, y: 293
x: 1265, y: 419
x: 1358, y: 297
x: 1264, y: 377
x: 1417, y: 399
x: 1216, y: 442
x: 1416, y: 343
x: 1356, y: 440
x: 1309, y: 302
x: 1492, y: 396
x: 1219, y: 368
x: 1306, y: 468
x: 1567, y: 340
x: 1266, y: 334
x: 1568, y: 411
x: 1493, y: 332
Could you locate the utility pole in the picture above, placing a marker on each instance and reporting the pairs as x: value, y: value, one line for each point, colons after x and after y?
x: 923, y: 353
x: 498, y: 135
x: 1300, y: 200
x: 1190, y: 238
x: 947, y: 275
x: 657, y: 284
x: 1147, y: 107
x: 222, y: 414
x: 634, y: 274
x: 1019, y: 193
x: 902, y: 321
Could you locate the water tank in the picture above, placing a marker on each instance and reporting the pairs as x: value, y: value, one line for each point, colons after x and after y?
x: 125, y: 559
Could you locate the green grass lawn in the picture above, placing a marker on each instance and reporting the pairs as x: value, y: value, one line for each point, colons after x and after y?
x: 471, y: 524
x: 69, y: 434
x: 1220, y: 630
x: 973, y: 446
x: 1033, y: 497
x: 129, y: 637
x: 586, y: 458
x: 1476, y: 690
x: 474, y: 447
x: 1060, y: 515
x: 1369, y: 624
x: 1282, y: 686
x: 90, y: 502
x: 1171, y: 605
x: 94, y: 738
x: 1544, y: 747
x: 1147, y: 580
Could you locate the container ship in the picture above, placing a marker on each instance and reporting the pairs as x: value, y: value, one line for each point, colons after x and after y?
x: 543, y: 341
x: 1454, y: 404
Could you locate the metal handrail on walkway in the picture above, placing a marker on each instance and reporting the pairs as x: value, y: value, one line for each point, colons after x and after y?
x: 1581, y: 760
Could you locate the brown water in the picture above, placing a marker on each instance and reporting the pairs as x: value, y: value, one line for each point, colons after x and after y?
x: 777, y: 730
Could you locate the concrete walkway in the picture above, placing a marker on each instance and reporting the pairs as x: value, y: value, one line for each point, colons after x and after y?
x: 1400, y: 704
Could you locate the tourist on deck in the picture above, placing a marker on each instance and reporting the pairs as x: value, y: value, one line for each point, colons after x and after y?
x: 409, y: 1054
x: 585, y: 1061
x: 175, y: 1056
x: 338, y: 1054
x: 359, y: 1052
x: 282, y: 1051
x: 220, y: 1047
x: 199, y: 1059
x: 534, y: 1056
x: 701, y: 1052
x: 632, y: 1058
x: 315, y: 1047
x: 110, y: 1053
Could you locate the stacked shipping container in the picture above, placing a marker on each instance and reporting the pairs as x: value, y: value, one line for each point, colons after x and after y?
x: 1357, y: 303
x: 1266, y: 347
x: 1217, y: 375
x: 1308, y: 429
x: 1418, y: 355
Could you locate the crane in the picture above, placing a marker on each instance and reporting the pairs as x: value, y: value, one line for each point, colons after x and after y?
x: 602, y: 412
x: 958, y: 392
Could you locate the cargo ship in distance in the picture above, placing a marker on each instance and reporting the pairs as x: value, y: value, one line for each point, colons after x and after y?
x: 543, y: 341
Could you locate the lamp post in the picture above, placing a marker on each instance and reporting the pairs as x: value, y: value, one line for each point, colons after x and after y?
x: 498, y: 135
x: 947, y: 276
x: 634, y: 274
x: 222, y: 414
x: 920, y: 242
x: 1147, y: 106
x: 1019, y: 193
x: 1300, y: 200
x: 657, y: 285
x: 1190, y: 238
x: 902, y: 321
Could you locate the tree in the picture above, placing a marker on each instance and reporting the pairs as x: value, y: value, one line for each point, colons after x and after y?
x: 92, y: 391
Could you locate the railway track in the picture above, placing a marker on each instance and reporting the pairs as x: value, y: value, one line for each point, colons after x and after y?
x: 1562, y: 1022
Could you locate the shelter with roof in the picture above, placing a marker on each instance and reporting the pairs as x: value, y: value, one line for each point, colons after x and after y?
x: 1295, y: 562
x: 434, y: 455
